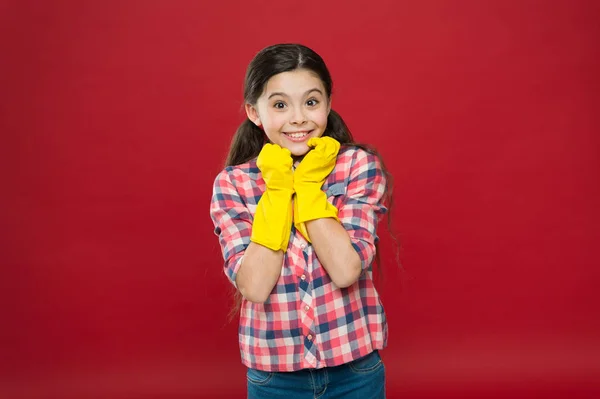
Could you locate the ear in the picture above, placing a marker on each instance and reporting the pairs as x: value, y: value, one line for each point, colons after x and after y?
x: 252, y: 114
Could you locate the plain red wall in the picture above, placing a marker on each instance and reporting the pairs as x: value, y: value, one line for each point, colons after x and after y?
x: 117, y: 115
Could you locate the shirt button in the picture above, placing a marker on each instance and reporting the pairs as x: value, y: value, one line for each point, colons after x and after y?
x: 310, y: 337
x: 303, y: 277
x: 302, y: 246
x: 307, y: 308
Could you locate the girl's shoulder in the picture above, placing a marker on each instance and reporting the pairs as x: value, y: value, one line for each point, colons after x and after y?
x: 246, y: 169
x: 354, y: 156
x: 351, y: 150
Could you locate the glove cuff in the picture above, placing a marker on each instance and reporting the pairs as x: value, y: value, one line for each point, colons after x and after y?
x: 309, y: 206
x: 273, y: 220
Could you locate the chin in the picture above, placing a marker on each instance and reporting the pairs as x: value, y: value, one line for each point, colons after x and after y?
x: 299, y: 151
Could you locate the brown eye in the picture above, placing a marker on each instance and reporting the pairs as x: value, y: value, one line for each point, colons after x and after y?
x: 279, y: 105
x: 312, y: 102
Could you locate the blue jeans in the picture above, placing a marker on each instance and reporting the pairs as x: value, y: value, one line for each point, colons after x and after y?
x: 363, y: 378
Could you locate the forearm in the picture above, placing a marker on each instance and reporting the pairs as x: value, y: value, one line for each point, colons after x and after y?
x: 335, y: 251
x: 263, y: 258
x: 259, y: 272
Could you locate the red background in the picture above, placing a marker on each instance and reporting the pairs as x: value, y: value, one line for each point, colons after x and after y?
x: 117, y: 115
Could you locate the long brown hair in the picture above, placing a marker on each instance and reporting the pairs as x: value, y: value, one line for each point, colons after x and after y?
x: 249, y: 139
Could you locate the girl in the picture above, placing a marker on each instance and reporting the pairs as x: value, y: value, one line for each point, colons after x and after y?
x: 296, y: 211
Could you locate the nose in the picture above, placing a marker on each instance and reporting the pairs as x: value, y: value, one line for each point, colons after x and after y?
x: 298, y: 117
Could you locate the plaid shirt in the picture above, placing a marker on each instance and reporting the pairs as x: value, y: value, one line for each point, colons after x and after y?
x: 307, y: 321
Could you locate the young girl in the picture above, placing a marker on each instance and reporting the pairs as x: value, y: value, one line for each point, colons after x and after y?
x: 296, y: 211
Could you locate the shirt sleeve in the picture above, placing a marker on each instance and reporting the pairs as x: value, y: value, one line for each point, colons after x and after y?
x: 363, y: 205
x: 232, y: 221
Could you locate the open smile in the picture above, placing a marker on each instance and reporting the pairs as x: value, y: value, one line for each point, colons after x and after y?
x: 298, y: 136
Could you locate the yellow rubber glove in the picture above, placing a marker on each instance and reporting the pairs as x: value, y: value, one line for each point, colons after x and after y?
x: 311, y: 202
x: 273, y: 217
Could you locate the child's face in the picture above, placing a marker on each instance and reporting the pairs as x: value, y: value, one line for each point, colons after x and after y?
x: 292, y: 109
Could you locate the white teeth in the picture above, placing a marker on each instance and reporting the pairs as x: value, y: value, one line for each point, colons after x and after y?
x: 297, y: 135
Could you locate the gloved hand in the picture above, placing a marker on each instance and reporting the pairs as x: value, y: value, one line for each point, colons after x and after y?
x: 311, y: 202
x: 273, y: 217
